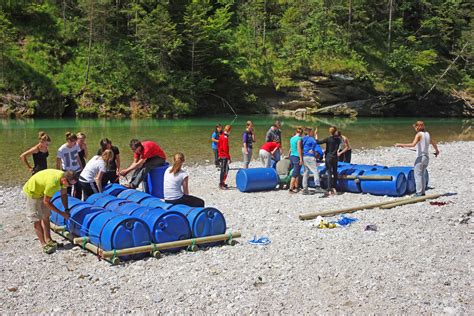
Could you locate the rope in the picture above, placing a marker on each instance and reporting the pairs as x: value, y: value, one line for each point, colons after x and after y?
x: 114, y: 256
x: 229, y: 240
x: 190, y: 247
x: 84, y: 242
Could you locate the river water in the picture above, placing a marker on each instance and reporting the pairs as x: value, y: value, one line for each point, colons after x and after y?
x: 192, y: 135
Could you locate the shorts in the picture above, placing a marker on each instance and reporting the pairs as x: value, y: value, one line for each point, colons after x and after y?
x: 295, y: 164
x: 36, y: 209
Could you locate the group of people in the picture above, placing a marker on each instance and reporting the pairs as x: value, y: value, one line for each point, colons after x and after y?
x: 76, y: 176
x: 304, y: 151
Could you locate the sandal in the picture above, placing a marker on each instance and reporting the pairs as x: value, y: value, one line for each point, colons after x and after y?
x: 49, y: 249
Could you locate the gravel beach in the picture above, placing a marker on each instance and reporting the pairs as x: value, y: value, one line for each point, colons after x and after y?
x: 418, y: 261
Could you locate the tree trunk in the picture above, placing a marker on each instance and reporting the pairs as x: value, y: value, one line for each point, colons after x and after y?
x: 264, y: 25
x: 192, y: 57
x: 390, y: 9
x: 64, y: 14
x: 91, y: 19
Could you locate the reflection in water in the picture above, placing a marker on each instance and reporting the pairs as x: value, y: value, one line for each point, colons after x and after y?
x: 192, y: 135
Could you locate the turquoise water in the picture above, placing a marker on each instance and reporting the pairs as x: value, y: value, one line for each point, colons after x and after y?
x: 192, y: 135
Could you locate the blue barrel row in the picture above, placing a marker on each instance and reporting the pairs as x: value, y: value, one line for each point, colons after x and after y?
x: 402, y: 179
x: 203, y: 221
x: 105, y: 229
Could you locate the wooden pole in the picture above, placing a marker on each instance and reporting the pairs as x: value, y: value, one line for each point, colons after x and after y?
x: 413, y: 200
x: 170, y: 245
x: 367, y: 206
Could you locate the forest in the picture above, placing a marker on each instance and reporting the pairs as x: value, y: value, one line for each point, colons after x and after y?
x: 149, y: 58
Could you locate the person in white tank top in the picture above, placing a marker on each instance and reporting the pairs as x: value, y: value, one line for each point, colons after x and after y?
x: 421, y: 142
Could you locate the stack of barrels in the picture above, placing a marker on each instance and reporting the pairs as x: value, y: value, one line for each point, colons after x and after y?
x: 122, y: 218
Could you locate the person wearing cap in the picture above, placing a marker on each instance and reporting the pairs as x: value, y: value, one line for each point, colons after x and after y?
x: 147, y: 156
x: 422, y: 142
x: 38, y: 191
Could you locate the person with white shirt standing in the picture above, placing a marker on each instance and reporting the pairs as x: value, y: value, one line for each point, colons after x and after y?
x: 91, y: 177
x: 67, y: 159
x: 422, y: 142
x: 175, y: 187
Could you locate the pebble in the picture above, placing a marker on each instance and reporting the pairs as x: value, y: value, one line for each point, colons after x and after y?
x: 415, y: 257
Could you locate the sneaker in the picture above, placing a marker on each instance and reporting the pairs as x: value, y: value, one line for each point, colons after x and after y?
x: 305, y: 192
x: 292, y: 191
x: 54, y: 243
x: 418, y: 195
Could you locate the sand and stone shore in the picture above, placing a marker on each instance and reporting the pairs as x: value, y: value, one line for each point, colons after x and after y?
x: 418, y: 261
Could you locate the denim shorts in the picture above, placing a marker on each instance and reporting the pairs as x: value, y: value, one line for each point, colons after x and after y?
x: 295, y: 164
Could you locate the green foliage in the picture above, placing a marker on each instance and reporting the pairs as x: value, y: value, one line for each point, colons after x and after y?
x: 151, y: 58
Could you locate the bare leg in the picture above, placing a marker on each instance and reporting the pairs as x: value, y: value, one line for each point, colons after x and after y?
x: 39, y: 232
x: 46, y: 229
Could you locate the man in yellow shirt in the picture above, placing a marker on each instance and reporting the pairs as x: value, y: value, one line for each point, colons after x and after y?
x: 38, y: 191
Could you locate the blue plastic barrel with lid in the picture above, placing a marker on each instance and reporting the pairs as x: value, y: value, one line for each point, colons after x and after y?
x: 114, y: 189
x: 81, y: 217
x: 256, y: 179
x: 72, y: 203
x: 155, y: 181
x: 164, y: 225
x: 203, y: 221
x: 109, y: 230
x: 106, y: 200
x: 395, y: 187
x: 155, y: 202
x: 137, y: 196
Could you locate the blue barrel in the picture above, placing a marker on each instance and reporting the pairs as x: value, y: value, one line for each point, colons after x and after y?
x: 155, y: 180
x: 138, y: 196
x: 256, y: 179
x: 105, y: 200
x: 109, y: 230
x: 164, y: 225
x: 155, y: 202
x: 409, y: 175
x: 114, y: 204
x: 203, y: 221
x: 56, y: 196
x: 126, y: 193
x: 396, y: 187
x: 80, y: 217
x: 57, y: 218
x: 94, y: 197
x: 348, y: 185
x: 114, y: 189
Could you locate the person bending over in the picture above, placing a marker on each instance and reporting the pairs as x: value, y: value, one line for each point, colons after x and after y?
x: 422, y: 142
x: 38, y: 191
x: 147, y: 155
x: 91, y: 177
x: 175, y: 186
x: 267, y: 152
x: 112, y: 173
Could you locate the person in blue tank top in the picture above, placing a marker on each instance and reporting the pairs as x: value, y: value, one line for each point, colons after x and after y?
x: 296, y: 158
x: 215, y: 140
x: 311, y: 152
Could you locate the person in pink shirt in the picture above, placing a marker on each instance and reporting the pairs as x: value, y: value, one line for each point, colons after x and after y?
x: 147, y: 155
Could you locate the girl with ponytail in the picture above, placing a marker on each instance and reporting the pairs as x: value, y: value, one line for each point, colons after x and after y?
x: 175, y: 188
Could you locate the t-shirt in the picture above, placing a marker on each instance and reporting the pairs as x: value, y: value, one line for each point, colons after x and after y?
x: 69, y: 157
x: 92, y: 169
x: 112, y: 163
x: 294, y: 145
x: 270, y: 146
x: 44, y: 183
x: 273, y: 135
x: 215, y: 135
x: 311, y: 147
x: 150, y: 149
x: 247, y: 138
x: 283, y: 167
x: 172, y: 184
x: 223, y: 146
